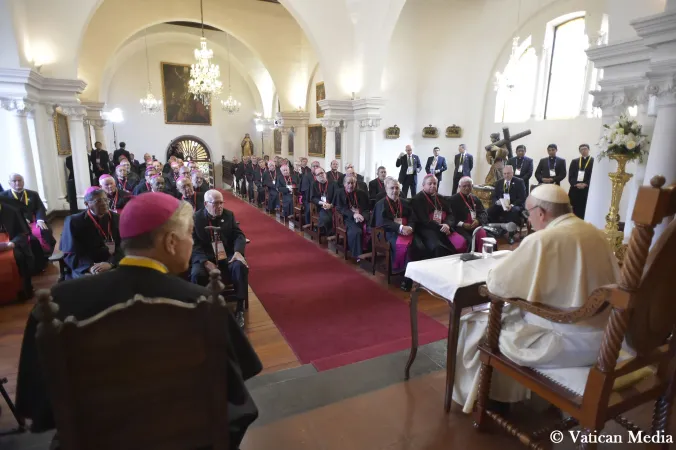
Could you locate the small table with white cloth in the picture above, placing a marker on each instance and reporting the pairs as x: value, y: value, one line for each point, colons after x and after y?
x: 456, y: 282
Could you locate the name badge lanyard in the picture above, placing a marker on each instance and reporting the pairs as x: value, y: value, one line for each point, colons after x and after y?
x: 113, y: 202
x: 322, y: 192
x: 25, y: 197
x: 219, y: 249
x: 506, y: 189
x: 585, y: 166
x: 438, y: 213
x: 124, y: 185
x: 107, y: 238
x: 289, y: 181
x: 472, y: 209
x: 273, y: 176
x: 350, y: 199
x: 549, y: 165
x: 397, y: 214
x: 380, y: 184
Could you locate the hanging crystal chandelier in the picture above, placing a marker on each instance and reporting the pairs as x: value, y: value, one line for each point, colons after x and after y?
x: 149, y: 104
x: 204, y: 83
x: 505, y: 79
x: 231, y: 106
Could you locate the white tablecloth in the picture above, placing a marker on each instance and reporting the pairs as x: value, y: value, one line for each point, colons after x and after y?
x: 444, y: 276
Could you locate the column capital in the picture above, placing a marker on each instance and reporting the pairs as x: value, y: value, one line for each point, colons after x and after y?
x: 284, y: 130
x: 369, y: 124
x: 663, y: 89
x: 98, y: 123
x: 19, y: 106
x: 293, y: 118
x: 330, y: 124
x: 75, y: 112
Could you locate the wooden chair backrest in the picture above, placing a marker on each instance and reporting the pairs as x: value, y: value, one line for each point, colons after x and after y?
x: 380, y: 238
x: 314, y: 212
x: 647, y: 275
x: 339, y: 220
x: 150, y: 373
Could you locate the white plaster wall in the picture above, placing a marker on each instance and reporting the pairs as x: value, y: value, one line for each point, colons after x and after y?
x: 144, y: 133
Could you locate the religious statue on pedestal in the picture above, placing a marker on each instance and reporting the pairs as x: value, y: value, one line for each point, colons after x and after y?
x: 247, y: 146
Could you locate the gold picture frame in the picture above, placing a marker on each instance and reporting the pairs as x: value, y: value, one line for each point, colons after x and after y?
x: 278, y: 141
x: 321, y: 95
x: 430, y: 132
x: 316, y: 141
x: 180, y: 108
x: 454, y: 131
x: 63, y: 145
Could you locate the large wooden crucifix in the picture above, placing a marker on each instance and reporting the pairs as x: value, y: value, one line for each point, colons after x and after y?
x: 507, y: 140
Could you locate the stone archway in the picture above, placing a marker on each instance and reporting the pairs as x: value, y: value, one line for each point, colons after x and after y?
x: 192, y: 147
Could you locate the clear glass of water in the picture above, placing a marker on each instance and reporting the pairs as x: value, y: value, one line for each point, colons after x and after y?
x: 487, y: 250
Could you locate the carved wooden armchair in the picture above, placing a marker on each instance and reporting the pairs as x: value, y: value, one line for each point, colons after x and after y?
x: 381, y: 247
x: 149, y: 373
x: 643, y: 313
x: 298, y: 213
x: 341, y: 232
x: 313, y: 229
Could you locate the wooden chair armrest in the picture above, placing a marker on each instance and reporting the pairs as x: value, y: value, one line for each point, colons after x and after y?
x: 595, y: 303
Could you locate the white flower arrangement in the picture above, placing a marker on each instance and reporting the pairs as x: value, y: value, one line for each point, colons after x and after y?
x: 624, y: 138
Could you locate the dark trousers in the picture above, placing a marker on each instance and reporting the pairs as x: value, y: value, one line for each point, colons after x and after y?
x: 578, y: 200
x: 250, y: 190
x: 326, y: 220
x: 435, y: 242
x: 355, y: 233
x: 261, y: 194
x: 273, y: 200
x: 456, y: 181
x: 287, y: 205
x: 498, y: 215
x: 409, y: 182
x: 235, y: 273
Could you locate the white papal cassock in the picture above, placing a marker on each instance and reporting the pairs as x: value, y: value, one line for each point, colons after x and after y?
x: 559, y: 266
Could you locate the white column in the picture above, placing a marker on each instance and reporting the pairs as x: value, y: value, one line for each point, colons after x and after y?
x: 100, y: 131
x: 331, y: 126
x: 20, y: 149
x: 269, y: 143
x: 598, y: 202
x: 52, y: 165
x: 367, y: 147
x: 78, y: 141
x: 285, y: 141
x: 662, y: 157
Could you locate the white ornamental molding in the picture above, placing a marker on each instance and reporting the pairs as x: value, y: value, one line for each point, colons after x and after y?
x: 74, y: 112
x: 330, y: 124
x: 98, y: 124
x: 662, y: 88
x: 369, y: 124
x: 284, y: 130
x: 18, y: 106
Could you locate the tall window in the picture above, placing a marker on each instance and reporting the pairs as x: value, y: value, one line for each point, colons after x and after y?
x: 565, y: 89
x: 514, y: 99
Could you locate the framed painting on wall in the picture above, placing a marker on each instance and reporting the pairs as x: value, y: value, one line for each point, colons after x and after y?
x: 321, y: 95
x: 316, y: 141
x: 63, y: 146
x: 278, y: 141
x: 339, y: 142
x: 180, y: 108
x: 291, y: 133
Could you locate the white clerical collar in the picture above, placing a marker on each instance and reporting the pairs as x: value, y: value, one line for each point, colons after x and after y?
x: 556, y: 222
x: 145, y: 258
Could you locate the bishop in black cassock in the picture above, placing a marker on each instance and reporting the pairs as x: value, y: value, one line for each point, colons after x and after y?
x: 148, y: 270
x: 434, y: 220
x: 91, y: 239
x: 353, y: 204
x: 469, y: 214
x: 117, y: 198
x: 12, y: 223
x: 287, y: 185
x: 322, y: 194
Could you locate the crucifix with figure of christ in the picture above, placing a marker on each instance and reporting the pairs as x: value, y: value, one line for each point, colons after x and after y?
x: 507, y: 141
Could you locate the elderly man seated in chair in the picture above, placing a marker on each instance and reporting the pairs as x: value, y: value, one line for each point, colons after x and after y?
x: 353, y: 204
x: 509, y: 198
x: 470, y: 214
x: 322, y: 194
x: 219, y: 244
x: 567, y: 259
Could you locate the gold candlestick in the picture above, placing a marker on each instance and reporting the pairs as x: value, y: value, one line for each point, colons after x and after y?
x: 618, y: 180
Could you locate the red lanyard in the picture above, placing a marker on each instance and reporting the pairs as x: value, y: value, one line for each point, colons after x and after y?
x: 335, y: 175
x: 194, y: 203
x: 380, y: 184
x: 148, y: 186
x: 471, y: 208
x: 323, y: 191
x: 98, y: 227
x: 289, y: 180
x: 434, y: 205
x: 274, y: 177
x: 113, y: 205
x: 394, y: 213
x: 124, y: 186
x: 261, y: 172
x: 349, y: 200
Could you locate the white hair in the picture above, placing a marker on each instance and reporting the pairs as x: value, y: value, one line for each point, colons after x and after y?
x: 463, y: 179
x: 209, y: 195
x: 390, y: 180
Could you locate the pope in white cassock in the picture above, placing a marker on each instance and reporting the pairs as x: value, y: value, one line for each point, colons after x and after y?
x: 559, y: 265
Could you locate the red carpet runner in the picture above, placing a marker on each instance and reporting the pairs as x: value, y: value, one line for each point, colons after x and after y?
x: 329, y: 313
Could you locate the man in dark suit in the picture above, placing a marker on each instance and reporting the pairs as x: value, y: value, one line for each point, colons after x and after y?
x: 464, y: 163
x: 551, y: 169
x: 187, y: 193
x: 90, y: 240
x: 523, y: 166
x: 99, y: 161
x: 377, y: 186
x: 229, y: 254
x: 509, y: 198
x: 408, y: 173
x: 122, y: 151
x: 436, y: 165
x: 322, y: 194
x: 579, y: 177
x: 353, y: 204
x: 157, y: 239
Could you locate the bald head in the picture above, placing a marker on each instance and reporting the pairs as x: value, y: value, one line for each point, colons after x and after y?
x: 213, y: 202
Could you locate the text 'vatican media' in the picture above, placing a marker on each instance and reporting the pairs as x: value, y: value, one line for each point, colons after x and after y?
x: 578, y: 437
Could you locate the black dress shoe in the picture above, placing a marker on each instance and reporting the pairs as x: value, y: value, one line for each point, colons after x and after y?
x: 239, y: 318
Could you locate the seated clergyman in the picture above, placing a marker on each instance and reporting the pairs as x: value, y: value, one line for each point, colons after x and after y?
x: 159, y: 184
x: 156, y: 232
x: 121, y: 179
x: 258, y: 175
x: 41, y: 241
x: 377, y: 186
x: 509, y: 198
x: 287, y: 185
x: 12, y: 223
x: 567, y: 260
x: 117, y: 198
x: 353, y: 204
x: 270, y: 182
x: 305, y: 187
x: 132, y: 178
x: 227, y: 256
x: 189, y: 194
x: 197, y: 178
x: 145, y: 186
x: 434, y: 221
x: 470, y: 214
x: 322, y: 194
x: 91, y: 239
